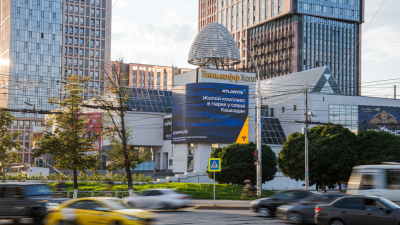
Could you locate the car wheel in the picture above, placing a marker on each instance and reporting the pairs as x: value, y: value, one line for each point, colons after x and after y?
x: 294, y: 218
x: 264, y: 212
x: 336, y: 222
x: 132, y: 205
x: 165, y: 206
x: 16, y: 220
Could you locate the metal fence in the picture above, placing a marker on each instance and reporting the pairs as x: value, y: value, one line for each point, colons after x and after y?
x: 83, y: 194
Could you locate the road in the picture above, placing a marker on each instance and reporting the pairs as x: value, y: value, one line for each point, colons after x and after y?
x: 196, y: 216
x: 212, y: 217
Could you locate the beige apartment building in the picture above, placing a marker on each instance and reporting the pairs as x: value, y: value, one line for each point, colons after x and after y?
x: 151, y: 76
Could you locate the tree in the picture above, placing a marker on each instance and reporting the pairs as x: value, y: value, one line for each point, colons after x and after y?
x: 237, y: 163
x: 375, y: 147
x: 65, y: 138
x: 122, y: 154
x: 331, y: 155
x: 8, y: 147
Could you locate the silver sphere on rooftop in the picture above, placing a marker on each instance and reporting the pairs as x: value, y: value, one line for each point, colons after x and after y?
x: 215, y: 45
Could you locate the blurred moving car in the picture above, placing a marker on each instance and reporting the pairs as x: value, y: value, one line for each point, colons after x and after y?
x: 304, y: 211
x: 26, y: 200
x: 97, y: 210
x: 358, y: 209
x: 380, y: 180
x: 267, y: 206
x: 159, y: 199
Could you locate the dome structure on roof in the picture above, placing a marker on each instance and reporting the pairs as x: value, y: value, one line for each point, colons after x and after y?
x: 214, y: 45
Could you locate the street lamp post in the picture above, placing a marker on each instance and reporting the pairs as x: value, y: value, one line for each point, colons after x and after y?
x: 259, y: 166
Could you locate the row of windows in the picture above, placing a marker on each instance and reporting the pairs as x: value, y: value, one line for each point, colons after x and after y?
x: 81, y: 10
x: 42, y: 13
x: 93, y: 74
x: 80, y: 20
x: 334, y: 10
x: 82, y: 2
x: 21, y: 124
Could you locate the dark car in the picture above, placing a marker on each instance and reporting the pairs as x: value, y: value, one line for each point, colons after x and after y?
x: 26, y: 200
x: 304, y: 211
x: 358, y: 210
x: 267, y: 206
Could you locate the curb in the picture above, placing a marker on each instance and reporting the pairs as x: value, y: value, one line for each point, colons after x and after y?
x: 222, y: 207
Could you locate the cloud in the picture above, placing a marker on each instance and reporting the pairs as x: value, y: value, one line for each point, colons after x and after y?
x: 158, y: 45
x: 381, y: 44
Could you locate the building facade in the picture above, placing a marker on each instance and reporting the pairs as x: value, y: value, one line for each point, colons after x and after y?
x: 87, y: 40
x: 145, y: 76
x: 289, y: 36
x: 30, y: 61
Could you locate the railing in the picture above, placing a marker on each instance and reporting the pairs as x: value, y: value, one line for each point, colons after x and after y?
x: 84, y: 194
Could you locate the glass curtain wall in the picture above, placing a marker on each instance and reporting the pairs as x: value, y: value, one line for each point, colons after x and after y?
x: 330, y: 42
x: 36, y: 39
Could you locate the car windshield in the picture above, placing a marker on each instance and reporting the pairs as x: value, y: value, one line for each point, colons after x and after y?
x: 34, y: 190
x: 390, y: 204
x: 116, y: 204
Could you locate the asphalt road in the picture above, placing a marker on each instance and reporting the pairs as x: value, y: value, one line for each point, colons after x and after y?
x: 196, y: 216
x: 213, y: 217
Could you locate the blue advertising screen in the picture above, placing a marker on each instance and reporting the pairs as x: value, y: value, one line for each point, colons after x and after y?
x: 379, y: 118
x: 210, y: 113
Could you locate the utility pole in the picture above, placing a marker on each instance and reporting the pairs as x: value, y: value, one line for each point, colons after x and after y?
x: 306, y: 136
x: 258, y: 130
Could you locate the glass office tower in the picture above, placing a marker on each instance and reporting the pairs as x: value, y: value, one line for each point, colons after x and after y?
x: 30, y: 62
x: 31, y: 46
x: 289, y: 36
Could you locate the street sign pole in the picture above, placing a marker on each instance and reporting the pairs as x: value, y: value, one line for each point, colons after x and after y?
x: 214, y: 165
x: 214, y: 188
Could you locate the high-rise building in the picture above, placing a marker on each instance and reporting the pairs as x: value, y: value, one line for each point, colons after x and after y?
x: 30, y: 61
x: 288, y: 36
x: 87, y: 40
x: 39, y: 40
x: 147, y: 76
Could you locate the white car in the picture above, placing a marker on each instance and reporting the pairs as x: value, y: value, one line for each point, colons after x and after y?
x: 158, y: 199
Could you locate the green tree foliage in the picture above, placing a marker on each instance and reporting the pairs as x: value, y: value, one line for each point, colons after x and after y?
x: 375, y: 147
x: 66, y: 138
x: 332, y: 155
x: 237, y: 163
x: 115, y: 129
x: 8, y: 147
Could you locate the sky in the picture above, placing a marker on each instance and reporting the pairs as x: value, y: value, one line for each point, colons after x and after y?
x: 160, y: 32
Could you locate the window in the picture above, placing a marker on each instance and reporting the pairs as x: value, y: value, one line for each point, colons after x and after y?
x: 294, y: 108
x: 352, y: 203
x: 272, y: 112
x: 393, y: 179
x: 97, y: 43
x: 92, y: 22
x: 374, y: 205
x: 367, y: 181
x: 81, y: 41
x: 97, y: 54
x: 21, y: 124
x: 97, y: 23
x: 27, y: 135
x: 91, y: 53
x: 283, y: 109
x: 81, y: 31
x: 26, y: 146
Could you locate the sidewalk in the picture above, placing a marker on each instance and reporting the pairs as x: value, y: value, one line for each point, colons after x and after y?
x: 238, y: 203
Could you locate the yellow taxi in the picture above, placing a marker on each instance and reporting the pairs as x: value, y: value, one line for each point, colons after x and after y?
x: 97, y: 211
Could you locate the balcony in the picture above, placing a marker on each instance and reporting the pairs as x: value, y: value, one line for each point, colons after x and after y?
x: 280, y: 46
x: 289, y: 44
x: 249, y: 65
x: 290, y: 33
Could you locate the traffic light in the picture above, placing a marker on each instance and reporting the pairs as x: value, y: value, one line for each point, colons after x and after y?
x: 255, y: 155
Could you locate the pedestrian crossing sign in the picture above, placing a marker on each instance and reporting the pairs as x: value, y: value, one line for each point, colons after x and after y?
x: 214, y: 164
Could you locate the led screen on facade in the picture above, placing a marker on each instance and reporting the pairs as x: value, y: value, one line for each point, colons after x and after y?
x: 210, y: 113
x: 379, y: 118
